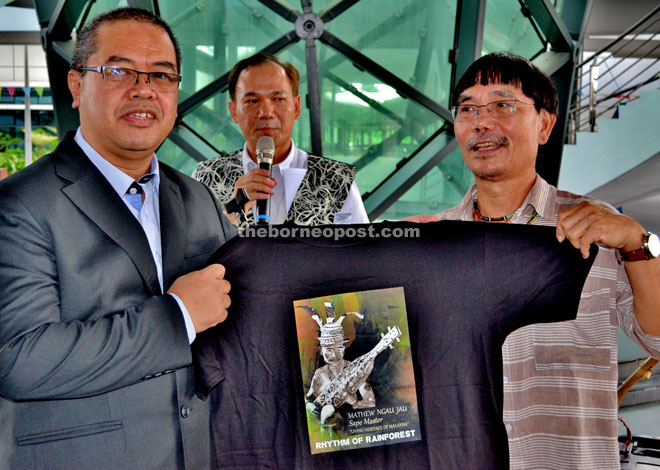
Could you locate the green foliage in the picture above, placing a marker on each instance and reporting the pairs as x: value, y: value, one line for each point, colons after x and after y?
x: 44, y: 141
x: 11, y: 157
x: 12, y: 153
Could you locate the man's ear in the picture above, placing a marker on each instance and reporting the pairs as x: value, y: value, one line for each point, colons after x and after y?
x: 74, y: 79
x: 548, y: 121
x: 232, y: 110
x: 296, y: 104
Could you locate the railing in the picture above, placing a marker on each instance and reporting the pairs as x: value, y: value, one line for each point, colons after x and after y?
x: 612, y: 76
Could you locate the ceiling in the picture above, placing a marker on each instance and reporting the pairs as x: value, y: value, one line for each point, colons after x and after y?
x: 609, y: 18
x: 637, y: 191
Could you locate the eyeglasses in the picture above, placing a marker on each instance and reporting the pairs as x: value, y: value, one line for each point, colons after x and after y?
x: 498, y: 109
x: 122, y: 77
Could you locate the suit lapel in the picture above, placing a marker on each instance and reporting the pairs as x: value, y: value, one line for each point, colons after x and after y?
x: 93, y: 195
x: 172, y: 228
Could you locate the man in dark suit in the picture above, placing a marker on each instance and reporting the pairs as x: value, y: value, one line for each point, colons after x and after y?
x: 103, y: 283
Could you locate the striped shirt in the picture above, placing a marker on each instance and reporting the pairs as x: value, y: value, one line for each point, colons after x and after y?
x: 560, y: 379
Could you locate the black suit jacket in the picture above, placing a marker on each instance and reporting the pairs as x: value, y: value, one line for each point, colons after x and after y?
x: 94, y: 359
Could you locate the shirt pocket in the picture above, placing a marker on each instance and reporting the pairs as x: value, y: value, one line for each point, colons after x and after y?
x: 581, y: 344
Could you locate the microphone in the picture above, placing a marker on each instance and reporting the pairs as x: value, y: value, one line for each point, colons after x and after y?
x: 265, y: 155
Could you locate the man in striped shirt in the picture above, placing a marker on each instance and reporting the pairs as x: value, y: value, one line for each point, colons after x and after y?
x: 560, y: 403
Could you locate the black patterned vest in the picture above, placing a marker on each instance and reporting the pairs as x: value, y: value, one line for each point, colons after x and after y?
x: 321, y: 194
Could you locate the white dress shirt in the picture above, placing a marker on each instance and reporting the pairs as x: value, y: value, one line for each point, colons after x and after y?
x: 293, y: 169
x: 148, y: 216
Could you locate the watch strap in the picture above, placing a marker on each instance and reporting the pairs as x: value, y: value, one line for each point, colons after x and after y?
x: 640, y: 254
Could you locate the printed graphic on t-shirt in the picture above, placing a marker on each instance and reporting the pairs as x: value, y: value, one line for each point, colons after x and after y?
x: 357, y: 372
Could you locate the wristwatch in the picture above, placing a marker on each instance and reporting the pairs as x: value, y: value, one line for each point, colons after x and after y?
x: 649, y: 250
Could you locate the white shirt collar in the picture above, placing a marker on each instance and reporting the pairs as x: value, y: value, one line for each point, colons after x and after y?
x: 119, y: 180
x: 291, y: 159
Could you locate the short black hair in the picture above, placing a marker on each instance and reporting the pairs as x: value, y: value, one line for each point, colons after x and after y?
x: 509, y: 69
x: 258, y: 59
x: 86, y: 45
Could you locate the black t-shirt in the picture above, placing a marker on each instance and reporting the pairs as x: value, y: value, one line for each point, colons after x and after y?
x: 467, y: 286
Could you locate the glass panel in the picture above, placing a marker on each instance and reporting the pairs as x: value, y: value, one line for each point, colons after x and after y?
x: 172, y: 154
x: 410, y: 38
x: 365, y: 122
x: 215, y: 35
x: 506, y: 29
x: 441, y: 188
x: 98, y: 7
x: 319, y: 5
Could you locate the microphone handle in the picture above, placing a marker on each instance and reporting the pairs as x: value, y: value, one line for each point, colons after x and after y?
x: 263, y: 205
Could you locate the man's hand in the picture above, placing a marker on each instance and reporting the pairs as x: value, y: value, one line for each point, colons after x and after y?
x: 205, y: 293
x: 422, y: 218
x: 588, y: 223
x: 257, y: 184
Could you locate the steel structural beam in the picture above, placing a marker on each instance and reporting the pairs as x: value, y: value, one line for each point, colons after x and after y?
x: 468, y: 36
x: 364, y: 63
x: 62, y: 15
x: 408, y: 173
x: 370, y: 101
x: 406, y: 13
x: 574, y: 14
x: 335, y: 9
x: 57, y: 20
x: 551, y: 25
x: 284, y: 10
x: 560, y: 66
x: 220, y: 84
x: 314, y: 96
x: 548, y: 160
x: 560, y: 63
x: 192, y: 143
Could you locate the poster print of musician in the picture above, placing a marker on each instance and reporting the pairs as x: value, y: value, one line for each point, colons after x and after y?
x: 357, y: 372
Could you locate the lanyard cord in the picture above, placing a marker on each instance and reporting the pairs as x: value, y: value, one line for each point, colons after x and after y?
x: 477, y: 212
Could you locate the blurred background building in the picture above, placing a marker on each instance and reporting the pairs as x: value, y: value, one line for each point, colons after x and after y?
x: 25, y: 95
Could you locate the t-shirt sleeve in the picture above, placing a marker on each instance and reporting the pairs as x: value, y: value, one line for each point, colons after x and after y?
x: 544, y: 278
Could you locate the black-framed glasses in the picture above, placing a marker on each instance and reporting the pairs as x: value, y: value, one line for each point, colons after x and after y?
x: 123, y: 77
x: 498, y: 109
